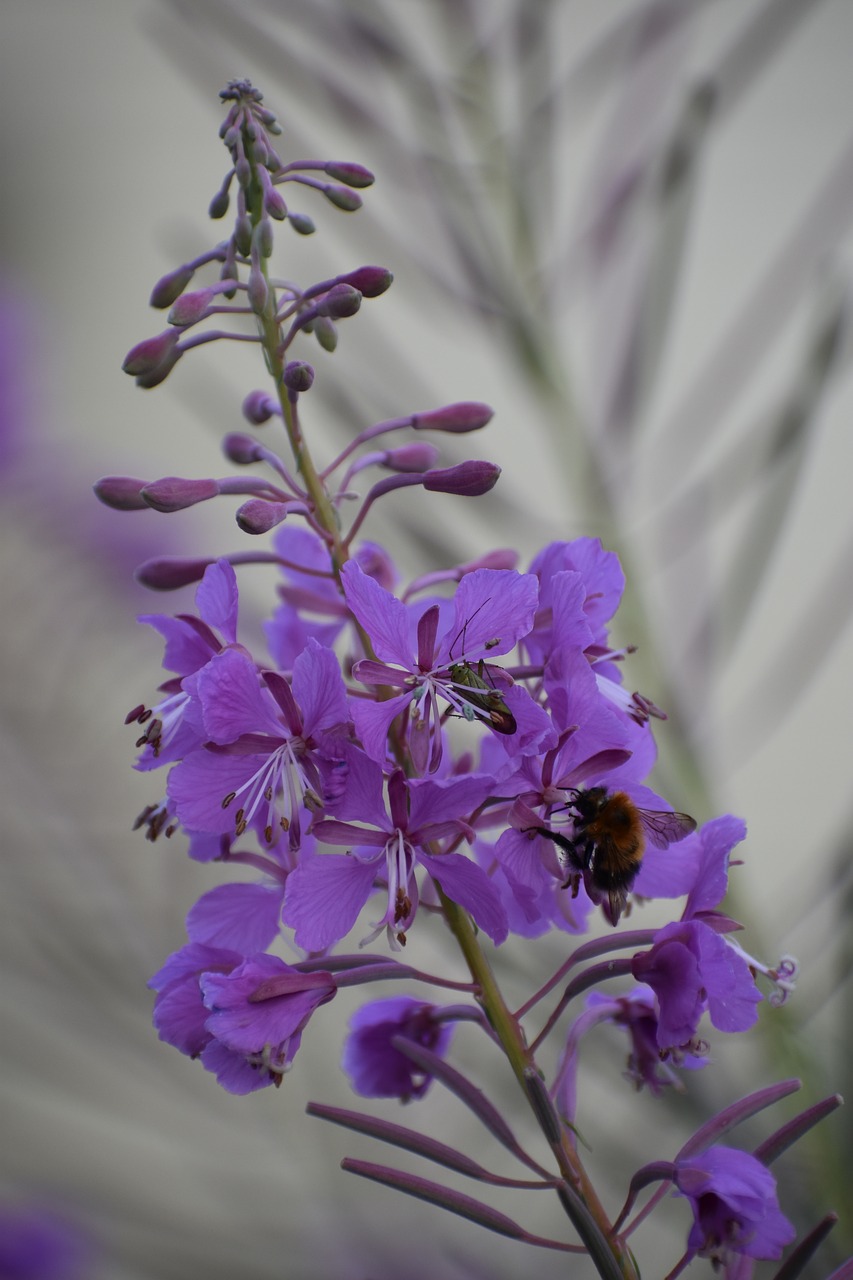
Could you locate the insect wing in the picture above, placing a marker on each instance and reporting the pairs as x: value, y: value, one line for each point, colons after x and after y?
x: 663, y: 827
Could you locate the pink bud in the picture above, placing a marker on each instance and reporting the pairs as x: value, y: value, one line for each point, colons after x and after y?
x: 167, y: 573
x: 419, y: 456
x: 191, y: 308
x: 258, y: 407
x: 218, y: 206
x: 274, y: 204
x: 468, y: 479
x: 342, y: 198
x: 172, y: 493
x: 241, y: 449
x: 355, y: 175
x: 148, y: 356
x: 258, y: 292
x: 468, y: 415
x: 258, y: 516
x: 341, y: 301
x: 371, y: 281
x: 170, y: 287
x: 122, y: 493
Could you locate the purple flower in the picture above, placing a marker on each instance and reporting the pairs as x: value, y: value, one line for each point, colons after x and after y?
x: 242, y: 1017
x: 735, y: 1209
x: 263, y: 760
x: 491, y: 611
x: 326, y: 893
x: 378, y: 1070
x: 171, y: 729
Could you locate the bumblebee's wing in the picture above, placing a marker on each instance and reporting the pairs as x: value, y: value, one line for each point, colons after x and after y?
x: 664, y: 827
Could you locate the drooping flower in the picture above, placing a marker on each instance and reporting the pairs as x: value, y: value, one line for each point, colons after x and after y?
x: 735, y: 1209
x: 375, y: 1067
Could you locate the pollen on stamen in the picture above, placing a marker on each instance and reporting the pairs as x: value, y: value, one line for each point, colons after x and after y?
x: 138, y: 715
x: 226, y: 800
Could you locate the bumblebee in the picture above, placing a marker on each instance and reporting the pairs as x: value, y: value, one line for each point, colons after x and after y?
x: 609, y: 841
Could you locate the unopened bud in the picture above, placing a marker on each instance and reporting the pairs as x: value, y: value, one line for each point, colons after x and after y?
x: 148, y: 356
x: 258, y: 516
x: 468, y: 480
x: 342, y: 198
x: 370, y: 281
x: 468, y: 415
x: 341, y: 301
x: 122, y: 493
x: 161, y: 373
x: 325, y: 333
x: 173, y: 493
x: 301, y: 224
x: 257, y: 291
x: 218, y: 206
x: 167, y: 573
x: 241, y: 448
x: 298, y: 376
x: 191, y: 307
x: 274, y: 204
x: 170, y: 287
x: 259, y: 407
x: 355, y: 175
x: 243, y: 234
x: 263, y: 238
x: 419, y: 456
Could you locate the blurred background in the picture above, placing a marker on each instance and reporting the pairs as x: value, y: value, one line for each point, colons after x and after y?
x: 628, y: 228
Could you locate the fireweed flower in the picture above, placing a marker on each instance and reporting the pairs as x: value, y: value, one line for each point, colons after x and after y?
x: 243, y: 1017
x: 326, y: 893
x: 735, y: 1209
x: 171, y: 730
x: 375, y: 1068
x: 492, y: 609
x: 267, y: 747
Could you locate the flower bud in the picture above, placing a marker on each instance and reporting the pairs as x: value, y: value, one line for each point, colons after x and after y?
x: 243, y: 234
x: 301, y: 224
x: 370, y: 281
x: 218, y: 206
x: 191, y: 307
x: 170, y: 287
x: 162, y: 371
x: 148, y: 356
x: 173, y: 493
x: 122, y: 493
x: 259, y: 407
x: 419, y: 456
x: 263, y: 238
x: 257, y: 291
x: 298, y: 376
x: 325, y: 333
x: 341, y: 301
x: 342, y: 198
x: 167, y: 573
x: 258, y: 516
x: 468, y: 479
x: 468, y: 415
x: 274, y: 204
x: 241, y: 448
x: 355, y: 175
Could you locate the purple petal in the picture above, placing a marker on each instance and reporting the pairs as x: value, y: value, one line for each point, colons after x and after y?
x: 465, y: 882
x: 216, y: 599
x: 232, y: 1070
x: 324, y: 898
x: 318, y: 687
x: 385, y: 619
x: 363, y: 799
x: 448, y: 800
x: 490, y: 604
x: 716, y: 840
x: 186, y: 649
x: 372, y: 721
x: 243, y: 916
x: 732, y: 993
x: 233, y: 701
